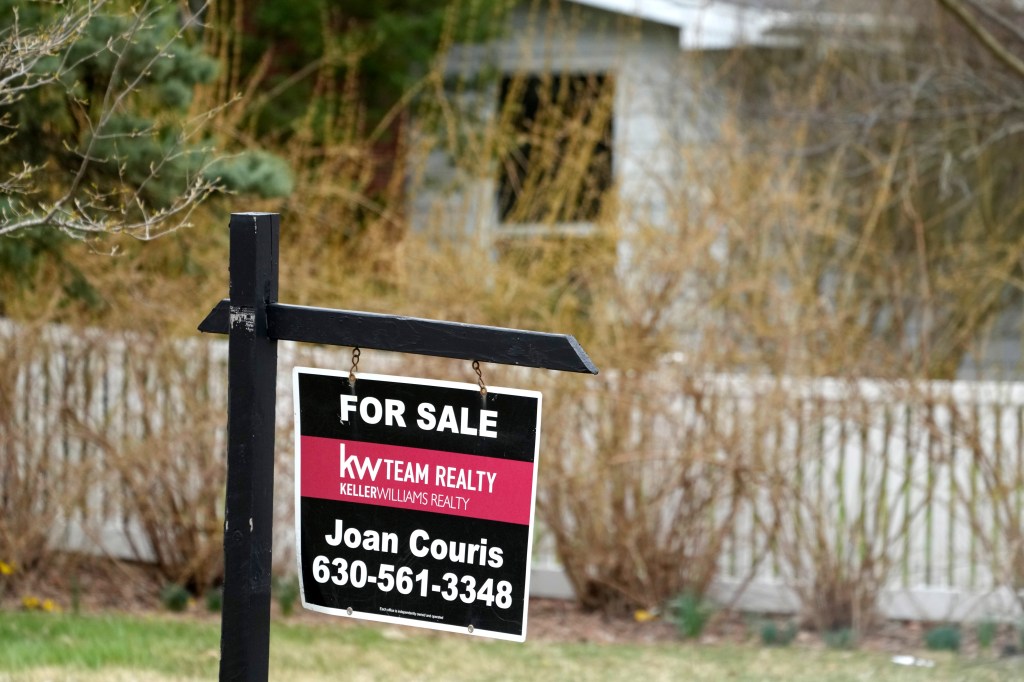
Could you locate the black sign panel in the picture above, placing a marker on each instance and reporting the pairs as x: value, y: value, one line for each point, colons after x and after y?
x: 415, y: 500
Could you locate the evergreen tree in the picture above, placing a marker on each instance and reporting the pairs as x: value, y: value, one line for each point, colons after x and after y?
x: 95, y: 101
x: 99, y: 133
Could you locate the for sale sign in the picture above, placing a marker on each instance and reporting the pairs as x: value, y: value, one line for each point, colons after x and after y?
x: 415, y: 500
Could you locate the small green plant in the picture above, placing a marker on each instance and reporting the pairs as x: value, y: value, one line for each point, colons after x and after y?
x: 841, y: 638
x: 690, y: 613
x: 774, y: 635
x: 76, y: 594
x: 943, y: 638
x: 174, y: 597
x: 286, y: 590
x: 986, y: 633
x: 214, y: 599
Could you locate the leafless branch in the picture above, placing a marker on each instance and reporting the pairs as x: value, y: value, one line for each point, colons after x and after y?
x: 78, y: 210
x: 959, y: 9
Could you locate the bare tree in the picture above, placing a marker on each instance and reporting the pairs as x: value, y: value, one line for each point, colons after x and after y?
x: 110, y: 157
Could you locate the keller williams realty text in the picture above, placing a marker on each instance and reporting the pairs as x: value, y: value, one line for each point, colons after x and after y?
x: 404, y: 496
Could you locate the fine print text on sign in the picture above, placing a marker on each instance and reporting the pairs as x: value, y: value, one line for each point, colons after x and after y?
x: 414, y: 500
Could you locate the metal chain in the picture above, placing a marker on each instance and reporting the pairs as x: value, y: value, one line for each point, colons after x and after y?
x: 480, y: 378
x: 355, y: 366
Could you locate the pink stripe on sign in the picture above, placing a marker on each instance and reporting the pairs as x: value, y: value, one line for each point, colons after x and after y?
x: 413, y: 478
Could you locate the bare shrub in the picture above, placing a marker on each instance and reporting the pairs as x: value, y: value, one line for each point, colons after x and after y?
x: 642, y: 483
x: 979, y: 435
x: 163, y: 454
x: 840, y: 491
x: 39, y: 472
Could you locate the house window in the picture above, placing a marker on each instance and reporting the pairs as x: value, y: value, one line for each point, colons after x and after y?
x: 556, y: 166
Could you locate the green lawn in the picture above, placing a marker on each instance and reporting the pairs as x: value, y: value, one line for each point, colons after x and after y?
x: 37, y: 646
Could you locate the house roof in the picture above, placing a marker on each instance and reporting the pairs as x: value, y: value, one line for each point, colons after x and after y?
x: 831, y: 6
x: 719, y: 24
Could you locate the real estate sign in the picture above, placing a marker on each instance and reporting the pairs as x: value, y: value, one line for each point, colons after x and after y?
x: 414, y: 500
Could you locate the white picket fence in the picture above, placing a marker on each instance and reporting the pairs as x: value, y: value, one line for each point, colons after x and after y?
x: 938, y: 467
x: 931, y: 473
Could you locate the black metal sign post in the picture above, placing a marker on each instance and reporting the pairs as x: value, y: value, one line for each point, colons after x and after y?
x: 254, y: 321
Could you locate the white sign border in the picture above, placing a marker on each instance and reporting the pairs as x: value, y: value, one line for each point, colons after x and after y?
x: 397, y: 620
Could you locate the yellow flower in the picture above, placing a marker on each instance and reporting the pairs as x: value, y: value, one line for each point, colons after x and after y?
x: 37, y: 604
x: 643, y: 615
x: 6, y: 568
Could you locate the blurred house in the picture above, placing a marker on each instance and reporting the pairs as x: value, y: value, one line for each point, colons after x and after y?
x: 634, y: 92
x: 637, y: 73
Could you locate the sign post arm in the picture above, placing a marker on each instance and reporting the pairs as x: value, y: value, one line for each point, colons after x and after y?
x: 403, y: 334
x: 248, y: 514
